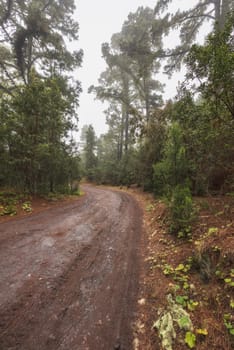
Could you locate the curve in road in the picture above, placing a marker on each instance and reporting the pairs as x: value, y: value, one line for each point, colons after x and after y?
x: 69, y: 275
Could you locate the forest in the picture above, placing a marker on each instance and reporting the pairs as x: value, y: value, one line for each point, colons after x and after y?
x: 185, y: 143
x: 160, y: 145
x: 175, y: 148
x: 38, y: 97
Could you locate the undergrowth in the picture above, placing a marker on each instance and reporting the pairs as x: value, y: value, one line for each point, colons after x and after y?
x: 195, y: 274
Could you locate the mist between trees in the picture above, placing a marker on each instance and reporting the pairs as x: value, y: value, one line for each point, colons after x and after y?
x: 186, y: 142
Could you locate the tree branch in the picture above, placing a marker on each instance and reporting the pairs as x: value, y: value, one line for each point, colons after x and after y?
x: 207, y: 15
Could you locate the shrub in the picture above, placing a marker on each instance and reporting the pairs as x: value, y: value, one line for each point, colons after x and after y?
x: 173, y: 170
x: 8, y: 210
x: 181, y: 211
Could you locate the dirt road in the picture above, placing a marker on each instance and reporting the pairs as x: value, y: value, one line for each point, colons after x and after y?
x: 69, y: 275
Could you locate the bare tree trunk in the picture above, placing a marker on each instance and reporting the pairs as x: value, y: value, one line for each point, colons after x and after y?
x: 217, y: 4
x: 121, y: 136
x: 224, y: 12
x: 125, y: 109
x: 126, y: 131
x: 222, y: 7
x: 29, y: 63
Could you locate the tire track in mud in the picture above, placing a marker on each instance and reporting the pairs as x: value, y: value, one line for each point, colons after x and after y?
x: 81, y: 293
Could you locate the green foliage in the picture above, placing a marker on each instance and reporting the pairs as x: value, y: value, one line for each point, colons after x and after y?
x: 181, y: 211
x: 150, y: 151
x: 213, y: 64
x: 165, y: 324
x: 39, y: 29
x: 182, y: 300
x: 229, y: 279
x: 38, y: 99
x: 190, y: 339
x: 173, y: 169
x: 189, y: 142
x: 229, y: 323
x: 89, y: 157
x: 27, y: 206
x: 8, y: 202
x: 209, y: 123
x: 36, y: 155
x: 8, y: 210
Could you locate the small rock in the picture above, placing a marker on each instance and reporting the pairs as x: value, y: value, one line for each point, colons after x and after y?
x: 136, y: 344
x: 192, y: 286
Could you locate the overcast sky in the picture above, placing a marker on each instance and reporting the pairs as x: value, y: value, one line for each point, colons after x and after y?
x: 98, y: 21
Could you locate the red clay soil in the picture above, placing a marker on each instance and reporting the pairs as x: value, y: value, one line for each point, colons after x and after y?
x: 69, y: 275
x: 213, y: 296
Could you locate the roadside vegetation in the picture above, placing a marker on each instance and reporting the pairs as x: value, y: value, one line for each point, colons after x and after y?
x: 186, y: 292
x: 38, y: 99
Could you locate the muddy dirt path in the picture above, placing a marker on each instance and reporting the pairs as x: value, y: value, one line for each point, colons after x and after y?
x: 69, y: 275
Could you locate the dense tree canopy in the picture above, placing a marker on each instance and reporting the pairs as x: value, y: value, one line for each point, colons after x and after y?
x: 32, y: 35
x: 38, y: 100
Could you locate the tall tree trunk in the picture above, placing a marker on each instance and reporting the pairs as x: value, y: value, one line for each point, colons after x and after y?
x: 125, y: 109
x: 126, y: 131
x: 222, y: 7
x: 217, y: 4
x: 224, y: 12
x: 121, y: 135
x: 29, y: 63
x: 146, y: 93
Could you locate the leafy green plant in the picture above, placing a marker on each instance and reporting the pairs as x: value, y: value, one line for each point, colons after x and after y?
x: 211, y: 231
x: 168, y: 269
x: 191, y: 304
x: 190, y: 339
x: 182, y: 300
x: 174, y: 313
x: 77, y: 193
x: 26, y: 206
x: 179, y: 273
x: 9, y: 210
x: 186, y: 302
x: 229, y: 279
x: 149, y: 207
x: 228, y: 323
x: 8, y: 201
